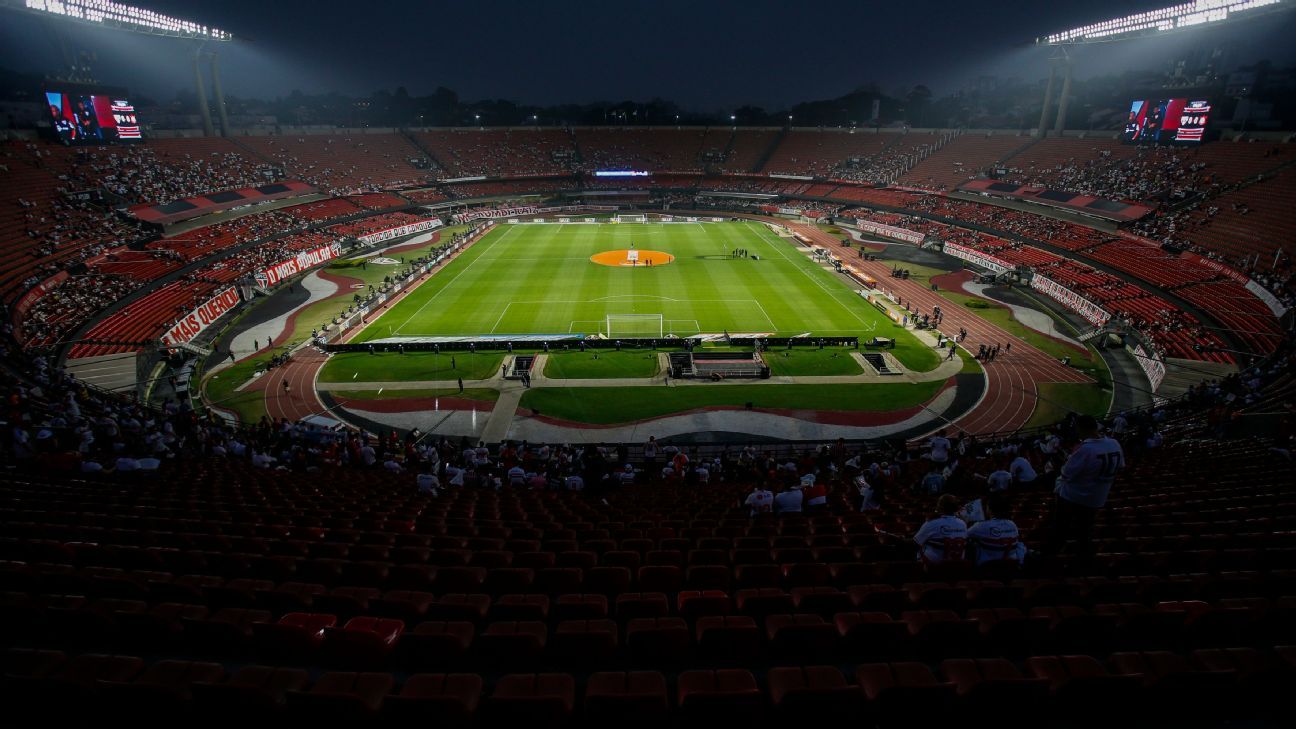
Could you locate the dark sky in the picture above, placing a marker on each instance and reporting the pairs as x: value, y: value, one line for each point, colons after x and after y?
x: 706, y: 55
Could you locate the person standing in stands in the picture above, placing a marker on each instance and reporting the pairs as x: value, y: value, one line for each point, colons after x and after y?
x: 760, y: 501
x: 943, y: 538
x: 650, y: 456
x: 940, y: 447
x: 1083, y: 485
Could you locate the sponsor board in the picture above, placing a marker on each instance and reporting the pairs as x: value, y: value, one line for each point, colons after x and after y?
x: 1152, y: 365
x: 1092, y: 313
x: 889, y: 231
x: 399, y: 231
x: 290, y: 267
x: 978, y: 258
x: 196, y: 321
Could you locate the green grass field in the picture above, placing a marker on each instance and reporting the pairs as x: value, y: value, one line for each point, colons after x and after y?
x: 411, y: 367
x: 591, y: 404
x: 539, y: 279
x: 601, y: 364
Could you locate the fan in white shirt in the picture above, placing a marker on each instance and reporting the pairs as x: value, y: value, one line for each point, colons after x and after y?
x: 940, y: 447
x: 1000, y: 480
x: 761, y: 500
x: 945, y: 537
x: 1021, y: 469
x: 997, y: 537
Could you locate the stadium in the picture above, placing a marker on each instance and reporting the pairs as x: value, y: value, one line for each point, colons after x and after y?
x: 889, y: 408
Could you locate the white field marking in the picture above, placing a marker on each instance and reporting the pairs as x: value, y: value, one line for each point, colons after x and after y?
x: 832, y: 294
x: 471, y: 263
x: 598, y: 324
x: 695, y: 328
x: 543, y: 258
x: 501, y: 317
x: 596, y: 301
x: 633, y: 296
x: 766, y: 315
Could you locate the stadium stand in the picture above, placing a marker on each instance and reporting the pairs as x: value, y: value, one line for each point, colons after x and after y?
x: 636, y: 148
x: 494, y: 152
x: 171, y: 169
x: 268, y: 567
x: 819, y: 153
x: 897, y: 158
x: 379, y: 200
x: 343, y: 164
x: 747, y: 150
x: 334, y: 207
x: 965, y: 157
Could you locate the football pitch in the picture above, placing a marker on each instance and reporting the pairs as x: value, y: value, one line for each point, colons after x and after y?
x: 540, y: 279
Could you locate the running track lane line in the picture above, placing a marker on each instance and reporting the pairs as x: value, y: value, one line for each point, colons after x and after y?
x: 304, y: 367
x: 1010, y: 397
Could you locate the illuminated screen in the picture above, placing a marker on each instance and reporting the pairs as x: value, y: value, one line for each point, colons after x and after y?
x: 620, y: 173
x: 1169, y: 121
x: 84, y: 118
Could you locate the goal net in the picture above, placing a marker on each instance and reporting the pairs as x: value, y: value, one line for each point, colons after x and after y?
x: 632, y: 218
x: 633, y: 326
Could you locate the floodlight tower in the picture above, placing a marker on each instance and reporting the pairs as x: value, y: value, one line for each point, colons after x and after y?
x: 118, y: 16
x: 1176, y: 18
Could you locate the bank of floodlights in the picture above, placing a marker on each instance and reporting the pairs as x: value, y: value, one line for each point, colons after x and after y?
x: 1175, y: 17
x: 120, y: 16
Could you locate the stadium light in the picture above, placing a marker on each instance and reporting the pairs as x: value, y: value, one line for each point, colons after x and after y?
x: 1176, y: 17
x: 120, y: 16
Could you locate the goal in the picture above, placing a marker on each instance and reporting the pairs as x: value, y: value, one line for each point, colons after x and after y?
x: 640, y: 218
x: 634, y: 326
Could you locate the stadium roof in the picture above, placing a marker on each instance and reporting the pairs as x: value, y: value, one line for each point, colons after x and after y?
x: 1173, y: 18
x: 120, y: 16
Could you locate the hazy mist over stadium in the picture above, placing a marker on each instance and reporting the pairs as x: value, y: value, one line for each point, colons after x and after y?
x: 706, y: 57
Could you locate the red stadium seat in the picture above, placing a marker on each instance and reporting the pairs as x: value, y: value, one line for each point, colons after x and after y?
x: 438, y: 699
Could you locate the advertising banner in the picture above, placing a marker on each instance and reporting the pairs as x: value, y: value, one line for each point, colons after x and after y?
x: 196, y: 321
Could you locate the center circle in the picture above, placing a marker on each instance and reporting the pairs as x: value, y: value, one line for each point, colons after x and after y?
x: 632, y: 258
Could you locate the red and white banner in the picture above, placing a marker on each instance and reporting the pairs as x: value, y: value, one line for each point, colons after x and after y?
x: 398, y: 231
x: 1152, y: 365
x: 491, y: 213
x: 193, y: 323
x: 298, y: 263
x: 1093, y: 313
x: 984, y: 260
x: 890, y: 231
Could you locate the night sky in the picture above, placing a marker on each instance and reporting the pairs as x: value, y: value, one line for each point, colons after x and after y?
x: 704, y: 55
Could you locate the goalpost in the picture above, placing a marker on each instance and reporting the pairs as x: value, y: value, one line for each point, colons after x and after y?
x: 636, y: 218
x: 634, y: 326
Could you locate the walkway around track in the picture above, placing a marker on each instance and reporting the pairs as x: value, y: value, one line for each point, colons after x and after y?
x: 301, y: 400
x: 944, y: 371
x: 1011, y: 393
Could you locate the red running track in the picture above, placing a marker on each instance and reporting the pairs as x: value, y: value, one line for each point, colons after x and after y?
x: 1011, y: 394
x: 301, y: 398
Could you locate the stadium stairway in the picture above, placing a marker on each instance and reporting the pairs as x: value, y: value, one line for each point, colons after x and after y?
x: 769, y: 151
x: 414, y: 140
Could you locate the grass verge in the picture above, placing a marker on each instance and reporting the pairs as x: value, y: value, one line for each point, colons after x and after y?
x: 606, y: 405
x: 410, y: 367
x: 601, y: 364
